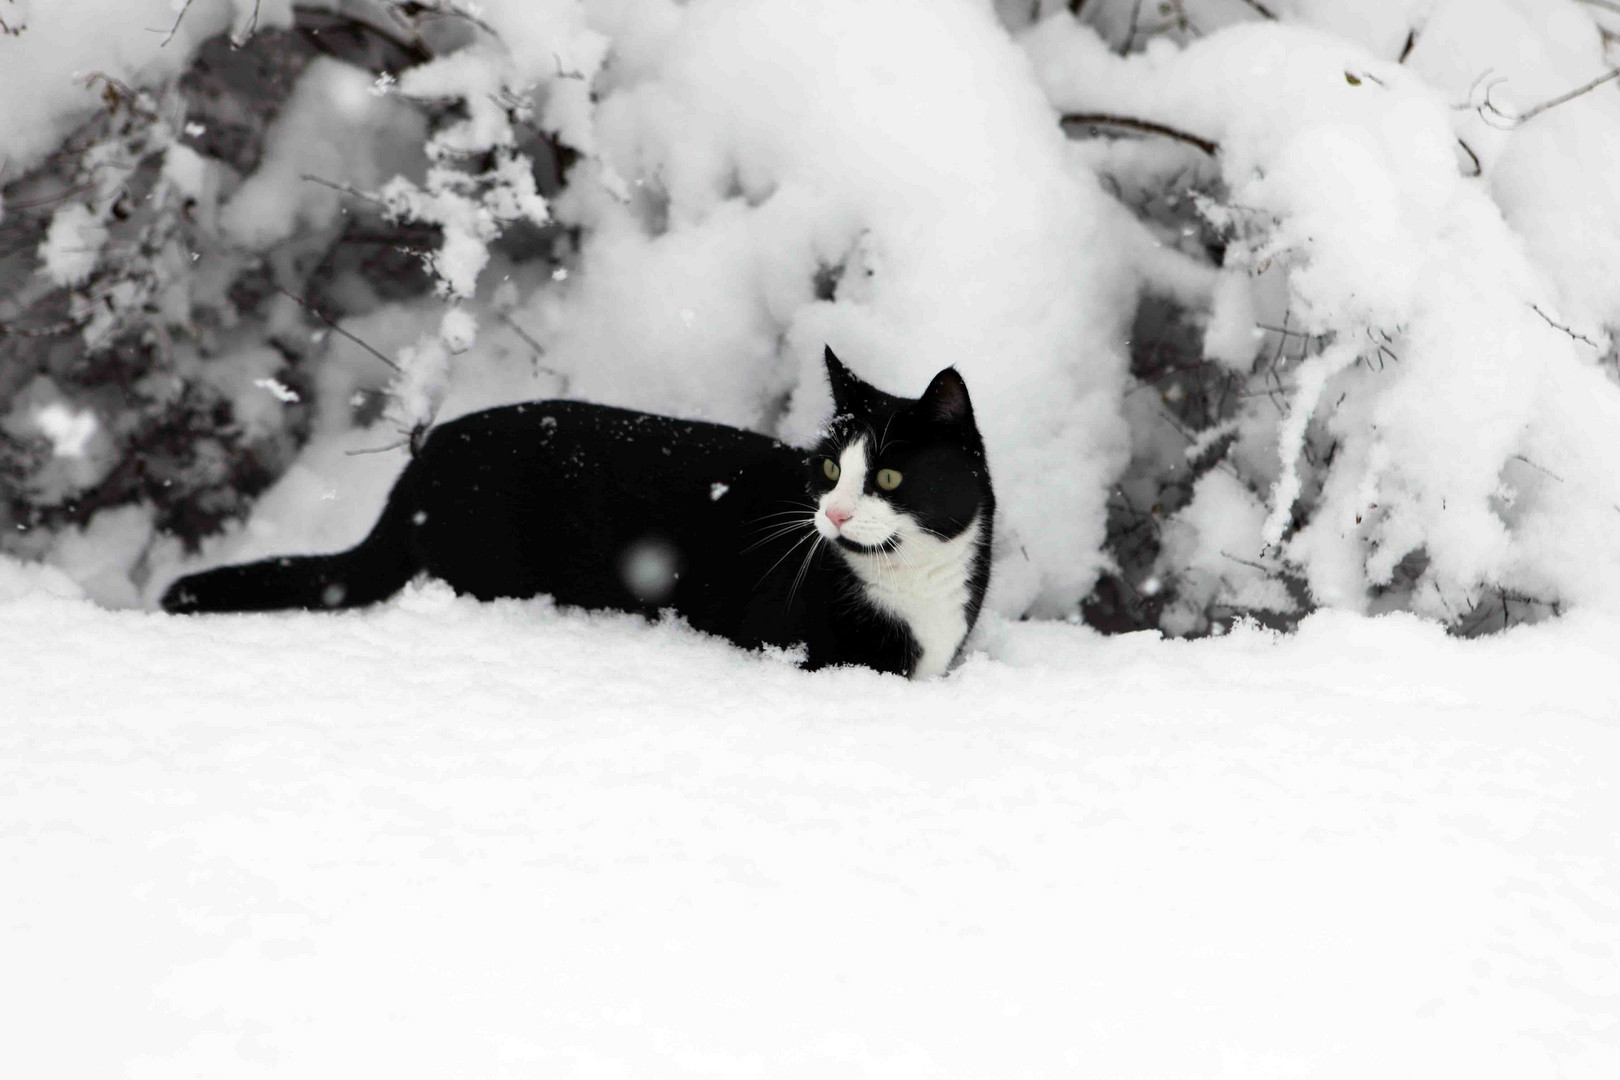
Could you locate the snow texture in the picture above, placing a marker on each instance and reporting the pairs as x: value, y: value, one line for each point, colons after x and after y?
x: 1467, y: 427
x: 59, y: 43
x: 445, y: 838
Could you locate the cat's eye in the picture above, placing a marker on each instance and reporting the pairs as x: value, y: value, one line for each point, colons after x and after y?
x: 888, y: 479
x: 830, y: 468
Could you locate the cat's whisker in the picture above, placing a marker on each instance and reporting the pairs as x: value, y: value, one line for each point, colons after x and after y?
x: 798, y: 578
x: 785, y: 554
x: 779, y: 531
x: 798, y: 515
x: 793, y: 519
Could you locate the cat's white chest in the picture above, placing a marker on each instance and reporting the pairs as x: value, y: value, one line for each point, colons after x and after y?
x: 925, y: 585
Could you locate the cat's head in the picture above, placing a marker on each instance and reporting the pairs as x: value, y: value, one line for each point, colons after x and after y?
x: 898, y: 474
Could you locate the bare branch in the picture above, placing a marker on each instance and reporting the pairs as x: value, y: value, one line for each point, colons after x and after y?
x: 175, y: 29
x: 319, y: 314
x: 529, y: 340
x: 1411, y: 43
x: 1261, y: 9
x: 57, y: 329
x: 238, y: 40
x: 1516, y: 119
x: 1150, y: 127
x: 1565, y: 329
x: 1538, y: 468
x: 1478, y: 168
x: 1130, y: 33
x: 1249, y: 562
x: 345, y: 188
x: 379, y: 449
x: 1571, y: 96
x: 563, y: 73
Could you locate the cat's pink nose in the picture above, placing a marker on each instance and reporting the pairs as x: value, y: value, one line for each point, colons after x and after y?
x: 838, y: 517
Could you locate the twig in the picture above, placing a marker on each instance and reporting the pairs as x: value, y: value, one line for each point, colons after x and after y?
x: 1565, y: 329
x: 1383, y: 348
x: 345, y: 188
x: 1130, y: 34
x: 529, y: 340
x: 1478, y: 168
x: 315, y: 311
x: 1247, y: 562
x: 1411, y: 43
x: 1264, y: 12
x: 66, y: 326
x: 379, y: 449
x: 175, y: 29
x: 238, y: 40
x: 1289, y: 333
x: 1517, y: 119
x: 1098, y: 119
x: 575, y: 74
x: 1571, y: 96
x: 1538, y: 468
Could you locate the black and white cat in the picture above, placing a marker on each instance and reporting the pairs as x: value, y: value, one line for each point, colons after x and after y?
x: 874, y: 550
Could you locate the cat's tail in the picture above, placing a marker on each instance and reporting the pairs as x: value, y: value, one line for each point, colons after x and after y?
x: 373, y: 570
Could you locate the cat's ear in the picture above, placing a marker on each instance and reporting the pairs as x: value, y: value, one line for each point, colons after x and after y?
x: 845, y: 386
x: 946, y: 399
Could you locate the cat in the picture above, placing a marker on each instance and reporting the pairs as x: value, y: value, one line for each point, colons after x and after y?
x: 872, y: 550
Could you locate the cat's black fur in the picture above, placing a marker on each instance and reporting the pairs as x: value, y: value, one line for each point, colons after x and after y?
x: 604, y: 508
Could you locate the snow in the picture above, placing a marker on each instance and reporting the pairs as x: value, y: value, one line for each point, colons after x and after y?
x: 1446, y: 417
x: 445, y: 838
x: 757, y: 143
x: 440, y: 838
x: 757, y: 180
x: 331, y: 128
x: 44, y: 68
x: 73, y: 244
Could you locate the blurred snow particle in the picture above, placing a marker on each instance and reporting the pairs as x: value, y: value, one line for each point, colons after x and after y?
x: 1232, y: 338
x: 383, y: 85
x: 717, y: 491
x: 185, y: 169
x: 280, y: 390
x: 560, y: 274
x: 650, y: 568
x: 68, y: 430
x: 458, y: 330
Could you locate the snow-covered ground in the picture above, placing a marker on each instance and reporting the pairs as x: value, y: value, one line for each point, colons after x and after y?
x: 441, y: 839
